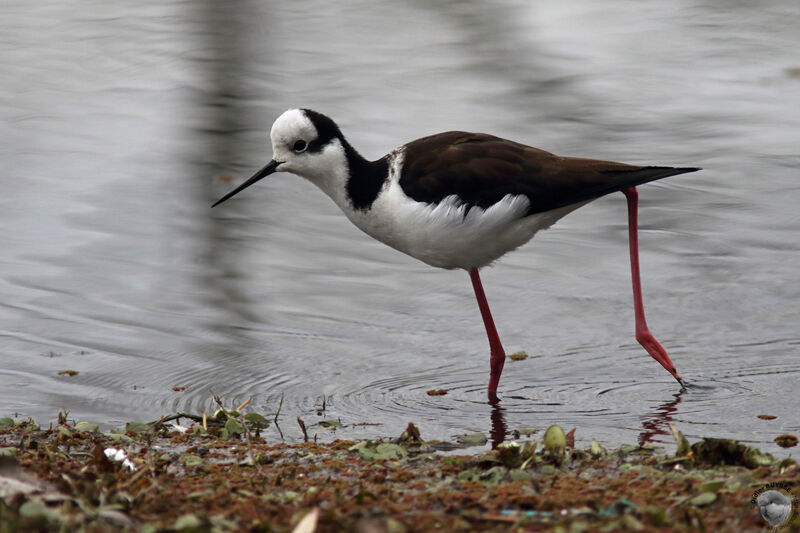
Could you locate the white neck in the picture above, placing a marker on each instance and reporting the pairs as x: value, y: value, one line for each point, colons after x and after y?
x: 330, y: 173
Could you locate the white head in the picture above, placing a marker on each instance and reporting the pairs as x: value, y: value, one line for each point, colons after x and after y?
x: 308, y: 144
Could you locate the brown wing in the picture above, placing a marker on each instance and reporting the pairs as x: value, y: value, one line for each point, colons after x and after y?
x: 481, y: 169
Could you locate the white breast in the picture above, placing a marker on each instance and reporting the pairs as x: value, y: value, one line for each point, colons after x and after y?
x: 449, y: 234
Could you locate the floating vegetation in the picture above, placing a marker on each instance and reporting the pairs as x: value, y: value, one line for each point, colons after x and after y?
x: 786, y: 440
x: 472, y: 439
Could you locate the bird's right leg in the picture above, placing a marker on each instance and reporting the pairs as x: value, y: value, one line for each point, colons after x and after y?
x: 498, y: 356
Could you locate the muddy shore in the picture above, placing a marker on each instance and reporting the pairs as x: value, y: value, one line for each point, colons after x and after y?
x: 219, y: 474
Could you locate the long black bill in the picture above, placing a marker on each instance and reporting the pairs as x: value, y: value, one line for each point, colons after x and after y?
x: 270, y: 167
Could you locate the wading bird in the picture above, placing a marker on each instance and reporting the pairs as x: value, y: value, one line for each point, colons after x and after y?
x: 459, y: 199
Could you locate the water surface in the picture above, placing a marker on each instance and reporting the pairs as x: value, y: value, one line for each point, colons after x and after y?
x: 120, y: 126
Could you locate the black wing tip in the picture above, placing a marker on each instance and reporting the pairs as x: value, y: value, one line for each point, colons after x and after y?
x: 652, y: 168
x: 675, y: 169
x: 633, y: 177
x: 685, y: 170
x: 641, y: 175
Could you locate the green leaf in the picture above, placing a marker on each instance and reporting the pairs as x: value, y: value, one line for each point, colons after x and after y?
x: 493, y: 476
x: 597, y: 449
x: 520, y: 475
x: 472, y: 439
x: 137, y: 427
x: 117, y: 436
x: 703, y: 499
x: 753, y: 457
x: 382, y: 452
x: 190, y: 460
x: 232, y: 427
x: 186, y: 522
x: 554, y: 440
x: 37, y: 508
x: 256, y: 421
x: 713, y: 485
x: 86, y: 427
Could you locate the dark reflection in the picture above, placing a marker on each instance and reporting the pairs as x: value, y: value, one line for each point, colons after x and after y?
x: 227, y: 108
x: 499, y: 429
x: 658, y: 422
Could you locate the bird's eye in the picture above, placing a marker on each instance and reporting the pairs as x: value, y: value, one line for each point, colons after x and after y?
x: 300, y: 146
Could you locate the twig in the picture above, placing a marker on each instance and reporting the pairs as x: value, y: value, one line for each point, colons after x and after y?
x: 216, y: 399
x: 241, y: 420
x: 250, y: 453
x: 303, y: 428
x: 275, y: 420
x: 176, y: 416
x: 244, y: 404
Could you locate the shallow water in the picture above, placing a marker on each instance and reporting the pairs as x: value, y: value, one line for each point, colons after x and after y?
x: 121, y: 126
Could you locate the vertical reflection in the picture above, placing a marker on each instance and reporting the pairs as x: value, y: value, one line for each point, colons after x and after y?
x: 227, y: 62
x: 501, y: 46
x: 658, y: 422
x: 499, y: 430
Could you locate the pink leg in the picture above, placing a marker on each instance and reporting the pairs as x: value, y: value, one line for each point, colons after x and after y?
x: 643, y: 334
x: 498, y: 357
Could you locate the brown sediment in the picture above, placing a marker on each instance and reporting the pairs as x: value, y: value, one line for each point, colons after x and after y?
x: 227, y: 478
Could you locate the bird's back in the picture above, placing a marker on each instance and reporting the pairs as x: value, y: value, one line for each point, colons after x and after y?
x: 482, y: 169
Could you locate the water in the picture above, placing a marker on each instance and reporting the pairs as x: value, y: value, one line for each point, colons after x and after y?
x: 121, y: 125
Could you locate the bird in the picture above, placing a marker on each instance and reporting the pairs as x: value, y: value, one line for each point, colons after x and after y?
x: 775, y: 507
x: 459, y: 200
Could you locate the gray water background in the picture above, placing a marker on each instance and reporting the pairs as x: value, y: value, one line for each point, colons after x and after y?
x: 121, y: 124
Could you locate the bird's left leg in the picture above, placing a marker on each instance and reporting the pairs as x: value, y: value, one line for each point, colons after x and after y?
x: 498, y: 356
x: 643, y: 335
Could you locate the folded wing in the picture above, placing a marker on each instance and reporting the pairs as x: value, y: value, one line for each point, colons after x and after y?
x: 481, y: 169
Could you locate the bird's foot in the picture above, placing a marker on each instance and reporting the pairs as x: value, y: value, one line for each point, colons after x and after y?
x: 658, y: 353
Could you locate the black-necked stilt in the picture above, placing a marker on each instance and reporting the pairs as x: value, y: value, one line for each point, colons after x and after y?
x: 458, y: 199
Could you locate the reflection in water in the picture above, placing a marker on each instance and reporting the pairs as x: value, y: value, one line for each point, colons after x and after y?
x: 658, y: 422
x: 219, y: 143
x: 499, y: 429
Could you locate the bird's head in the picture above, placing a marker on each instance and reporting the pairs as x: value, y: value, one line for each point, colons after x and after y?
x: 304, y: 142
